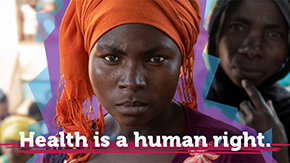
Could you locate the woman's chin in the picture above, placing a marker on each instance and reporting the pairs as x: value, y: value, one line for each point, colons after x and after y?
x: 130, y: 121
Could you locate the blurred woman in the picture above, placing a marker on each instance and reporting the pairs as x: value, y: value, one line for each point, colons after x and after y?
x: 252, y: 40
x: 9, y: 133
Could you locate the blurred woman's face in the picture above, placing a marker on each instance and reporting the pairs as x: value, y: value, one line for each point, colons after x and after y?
x: 134, y: 70
x: 15, y: 156
x: 3, y: 110
x: 253, y: 41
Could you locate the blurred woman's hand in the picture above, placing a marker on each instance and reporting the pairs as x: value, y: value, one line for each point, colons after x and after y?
x: 262, y: 117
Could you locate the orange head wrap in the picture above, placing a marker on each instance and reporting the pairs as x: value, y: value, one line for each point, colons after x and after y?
x: 85, y: 21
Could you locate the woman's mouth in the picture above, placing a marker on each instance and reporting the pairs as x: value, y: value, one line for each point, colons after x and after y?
x: 248, y: 73
x: 132, y: 107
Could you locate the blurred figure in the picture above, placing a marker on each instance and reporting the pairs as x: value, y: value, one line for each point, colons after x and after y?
x: 3, y: 106
x: 35, y: 114
x: 29, y: 20
x: 9, y: 133
x: 252, y: 40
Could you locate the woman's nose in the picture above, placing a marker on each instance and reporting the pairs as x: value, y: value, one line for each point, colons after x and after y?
x: 251, y: 45
x: 132, y: 78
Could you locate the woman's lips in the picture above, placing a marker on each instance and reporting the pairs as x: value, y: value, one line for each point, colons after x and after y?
x: 248, y: 73
x: 132, y: 108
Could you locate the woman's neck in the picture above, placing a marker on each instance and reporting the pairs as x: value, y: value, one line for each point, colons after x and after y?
x: 172, y: 121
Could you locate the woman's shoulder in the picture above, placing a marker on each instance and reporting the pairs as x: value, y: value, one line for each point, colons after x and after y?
x: 199, y: 123
x: 280, y: 97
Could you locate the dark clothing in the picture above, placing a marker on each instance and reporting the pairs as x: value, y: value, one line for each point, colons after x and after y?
x: 224, y: 91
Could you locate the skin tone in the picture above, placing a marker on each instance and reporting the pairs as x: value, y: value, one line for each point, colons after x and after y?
x: 3, y: 110
x: 14, y: 157
x: 37, y: 117
x: 252, y: 49
x: 48, y: 6
x: 134, y: 70
x: 32, y: 3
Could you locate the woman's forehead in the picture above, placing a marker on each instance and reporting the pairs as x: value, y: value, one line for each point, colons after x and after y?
x: 257, y: 11
x: 132, y: 35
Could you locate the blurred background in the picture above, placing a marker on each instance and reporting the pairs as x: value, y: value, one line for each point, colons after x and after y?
x: 22, y: 59
x: 22, y: 53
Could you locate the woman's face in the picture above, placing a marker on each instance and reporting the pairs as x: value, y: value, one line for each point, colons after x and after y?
x: 253, y: 41
x: 134, y: 70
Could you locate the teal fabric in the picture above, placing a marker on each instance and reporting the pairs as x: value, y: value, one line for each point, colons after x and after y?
x: 3, y: 158
x: 285, y: 81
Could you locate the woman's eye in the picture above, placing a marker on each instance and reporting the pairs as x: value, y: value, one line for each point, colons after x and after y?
x: 111, y: 58
x: 157, y: 59
x: 274, y: 34
x: 237, y: 27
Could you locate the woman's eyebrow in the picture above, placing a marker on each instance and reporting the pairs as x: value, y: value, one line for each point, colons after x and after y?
x: 241, y: 19
x: 275, y: 26
x: 267, y: 25
x: 153, y: 50
x: 115, y: 49
x: 110, y: 48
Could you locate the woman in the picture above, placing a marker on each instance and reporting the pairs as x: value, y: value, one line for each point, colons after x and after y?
x: 130, y: 54
x: 252, y: 40
x: 9, y: 133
